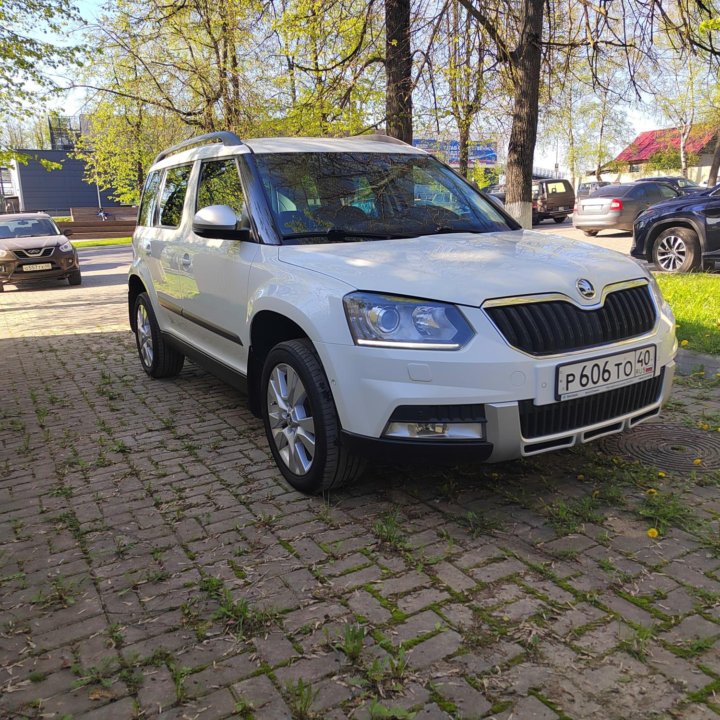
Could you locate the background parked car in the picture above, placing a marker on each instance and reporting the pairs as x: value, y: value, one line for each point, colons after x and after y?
x: 587, y: 188
x: 33, y: 248
x: 553, y: 198
x: 615, y: 207
x: 682, y: 234
x: 679, y: 183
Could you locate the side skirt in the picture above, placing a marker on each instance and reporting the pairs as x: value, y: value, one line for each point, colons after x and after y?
x: 220, y: 370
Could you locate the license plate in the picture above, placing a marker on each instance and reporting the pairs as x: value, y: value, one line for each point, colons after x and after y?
x: 563, y: 208
x: 603, y: 373
x: 39, y: 266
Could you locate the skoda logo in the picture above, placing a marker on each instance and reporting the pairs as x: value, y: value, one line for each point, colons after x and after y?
x: 585, y: 288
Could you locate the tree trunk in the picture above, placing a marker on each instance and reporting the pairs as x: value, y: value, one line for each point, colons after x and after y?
x: 398, y: 69
x: 464, y: 133
x: 523, y: 135
x: 715, y: 165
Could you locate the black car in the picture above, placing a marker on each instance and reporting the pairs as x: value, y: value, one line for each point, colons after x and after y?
x: 682, y: 234
x: 679, y: 183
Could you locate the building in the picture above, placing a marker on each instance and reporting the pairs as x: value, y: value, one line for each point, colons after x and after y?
x: 51, y: 181
x: 633, y: 161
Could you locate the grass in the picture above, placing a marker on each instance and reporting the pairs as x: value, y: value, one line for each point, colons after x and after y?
x: 102, y: 242
x: 695, y: 300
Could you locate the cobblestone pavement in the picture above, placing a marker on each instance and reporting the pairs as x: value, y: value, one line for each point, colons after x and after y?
x: 153, y: 563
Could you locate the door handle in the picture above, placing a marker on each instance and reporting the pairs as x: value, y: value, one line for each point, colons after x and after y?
x: 186, y: 262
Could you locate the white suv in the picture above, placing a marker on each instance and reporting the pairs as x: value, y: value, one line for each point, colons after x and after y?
x: 369, y: 299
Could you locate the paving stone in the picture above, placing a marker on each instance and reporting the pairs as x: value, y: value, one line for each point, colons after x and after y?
x: 530, y: 708
x: 309, y: 669
x: 434, y: 649
x: 692, y: 628
x: 496, y: 571
x: 468, y: 701
x: 364, y: 604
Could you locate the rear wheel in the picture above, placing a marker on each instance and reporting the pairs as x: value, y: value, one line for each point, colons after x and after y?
x: 75, y: 278
x: 158, y: 359
x: 591, y: 233
x: 560, y: 219
x: 677, y: 249
x: 301, y: 421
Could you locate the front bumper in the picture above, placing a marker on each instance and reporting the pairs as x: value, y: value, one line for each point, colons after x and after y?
x: 369, y: 384
x: 61, y: 265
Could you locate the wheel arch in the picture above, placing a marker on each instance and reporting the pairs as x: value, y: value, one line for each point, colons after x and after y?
x: 268, y: 328
x: 135, y: 287
x: 665, y: 224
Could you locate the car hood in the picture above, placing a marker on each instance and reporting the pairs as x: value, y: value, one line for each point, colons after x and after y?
x: 698, y: 198
x: 36, y: 241
x: 466, y: 268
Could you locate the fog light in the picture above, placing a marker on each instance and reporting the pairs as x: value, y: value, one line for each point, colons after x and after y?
x: 435, y: 431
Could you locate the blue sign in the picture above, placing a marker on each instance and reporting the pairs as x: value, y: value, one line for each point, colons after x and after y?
x: 478, y: 152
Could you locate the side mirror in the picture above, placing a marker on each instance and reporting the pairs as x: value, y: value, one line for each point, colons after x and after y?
x: 219, y: 222
x: 67, y: 233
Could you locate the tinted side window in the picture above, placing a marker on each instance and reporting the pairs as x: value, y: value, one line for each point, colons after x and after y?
x: 666, y: 191
x: 639, y: 192
x: 173, y: 195
x: 149, y: 199
x: 220, y: 185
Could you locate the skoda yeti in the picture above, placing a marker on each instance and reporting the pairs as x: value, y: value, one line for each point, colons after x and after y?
x: 370, y: 301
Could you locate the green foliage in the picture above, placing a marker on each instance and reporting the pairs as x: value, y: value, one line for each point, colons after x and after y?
x: 353, y: 641
x: 25, y: 60
x: 668, y: 160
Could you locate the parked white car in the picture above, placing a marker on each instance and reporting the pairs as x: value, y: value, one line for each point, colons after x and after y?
x: 371, y: 301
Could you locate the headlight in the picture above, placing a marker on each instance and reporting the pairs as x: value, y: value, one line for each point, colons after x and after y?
x: 390, y: 321
x: 65, y: 247
x: 662, y: 303
x: 5, y: 253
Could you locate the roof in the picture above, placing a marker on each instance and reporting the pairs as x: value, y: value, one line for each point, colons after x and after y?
x: 358, y: 144
x: 648, y: 143
x: 24, y: 216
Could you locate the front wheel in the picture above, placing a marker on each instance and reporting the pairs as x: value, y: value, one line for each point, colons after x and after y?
x: 591, y: 233
x: 159, y: 360
x: 677, y: 250
x: 75, y: 278
x: 560, y: 219
x: 301, y: 421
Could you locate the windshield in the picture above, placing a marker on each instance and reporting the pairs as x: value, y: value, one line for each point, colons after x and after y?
x: 27, y: 228
x: 332, y: 197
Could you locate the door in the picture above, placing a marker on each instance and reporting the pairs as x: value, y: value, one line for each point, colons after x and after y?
x: 220, y: 269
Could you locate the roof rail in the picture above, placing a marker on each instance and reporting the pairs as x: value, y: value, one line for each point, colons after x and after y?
x: 226, y: 138
x: 378, y: 137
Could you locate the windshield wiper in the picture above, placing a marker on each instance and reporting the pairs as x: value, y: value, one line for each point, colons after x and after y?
x: 336, y: 234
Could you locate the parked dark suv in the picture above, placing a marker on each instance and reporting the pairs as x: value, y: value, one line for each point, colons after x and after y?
x: 552, y: 199
x: 682, y: 234
x: 33, y: 248
x: 679, y: 183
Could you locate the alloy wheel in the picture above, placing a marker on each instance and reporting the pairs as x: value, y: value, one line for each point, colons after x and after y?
x: 144, y: 335
x: 671, y: 252
x: 291, y: 420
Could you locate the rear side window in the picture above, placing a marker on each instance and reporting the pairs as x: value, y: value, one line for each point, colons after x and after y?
x: 556, y: 187
x: 220, y: 185
x: 149, y: 199
x: 173, y: 195
x: 608, y: 190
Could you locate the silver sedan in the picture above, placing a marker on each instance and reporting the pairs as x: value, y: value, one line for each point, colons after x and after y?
x: 615, y: 207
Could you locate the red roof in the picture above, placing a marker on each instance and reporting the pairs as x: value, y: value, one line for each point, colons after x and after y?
x: 650, y: 142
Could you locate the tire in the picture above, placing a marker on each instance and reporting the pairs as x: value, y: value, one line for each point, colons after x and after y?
x: 676, y: 250
x: 75, y: 278
x: 2, y: 287
x: 591, y: 233
x: 297, y: 403
x: 158, y: 359
x: 536, y: 219
x: 560, y: 219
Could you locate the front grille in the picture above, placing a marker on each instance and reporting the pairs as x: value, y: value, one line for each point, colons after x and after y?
x: 559, y: 417
x: 32, y: 253
x: 555, y: 326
